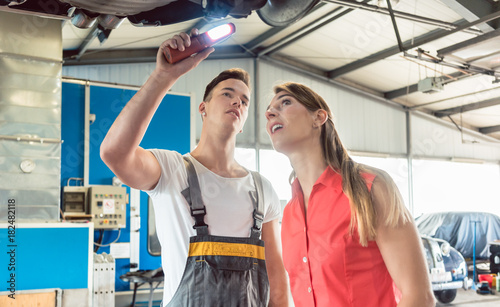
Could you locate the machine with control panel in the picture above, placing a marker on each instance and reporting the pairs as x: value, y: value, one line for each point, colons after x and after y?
x: 105, y: 205
x: 75, y: 203
x: 108, y: 206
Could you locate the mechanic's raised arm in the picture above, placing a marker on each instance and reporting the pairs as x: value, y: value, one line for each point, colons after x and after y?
x: 120, y: 151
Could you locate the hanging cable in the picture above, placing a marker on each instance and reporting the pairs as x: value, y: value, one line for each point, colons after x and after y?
x: 104, y: 245
x: 96, y: 247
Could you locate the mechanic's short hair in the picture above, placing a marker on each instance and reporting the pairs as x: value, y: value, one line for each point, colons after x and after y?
x: 233, y: 73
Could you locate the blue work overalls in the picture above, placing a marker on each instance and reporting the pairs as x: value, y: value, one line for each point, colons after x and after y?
x: 223, y: 271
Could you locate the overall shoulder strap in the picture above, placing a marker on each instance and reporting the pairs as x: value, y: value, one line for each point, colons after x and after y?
x: 193, y: 196
x: 258, y: 201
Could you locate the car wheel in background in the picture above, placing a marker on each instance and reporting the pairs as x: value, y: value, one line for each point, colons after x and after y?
x: 446, y: 296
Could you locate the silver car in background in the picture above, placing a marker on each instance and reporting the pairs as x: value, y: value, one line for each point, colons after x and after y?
x: 447, y: 269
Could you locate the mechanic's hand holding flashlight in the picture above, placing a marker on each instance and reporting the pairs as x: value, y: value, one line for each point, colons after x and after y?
x: 184, y: 46
x: 164, y: 71
x: 183, y: 52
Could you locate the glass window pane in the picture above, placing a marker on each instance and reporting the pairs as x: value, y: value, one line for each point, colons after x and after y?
x: 246, y: 157
x: 277, y: 169
x: 452, y: 186
x: 397, y: 168
x: 154, y: 247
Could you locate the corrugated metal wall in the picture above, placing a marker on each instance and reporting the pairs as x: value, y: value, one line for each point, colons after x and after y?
x: 433, y: 138
x: 30, y: 115
x: 365, y: 124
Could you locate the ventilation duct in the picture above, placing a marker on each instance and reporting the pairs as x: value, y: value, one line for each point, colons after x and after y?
x: 30, y: 116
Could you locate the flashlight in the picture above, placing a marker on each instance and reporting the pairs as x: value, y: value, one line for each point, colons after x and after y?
x: 200, y: 42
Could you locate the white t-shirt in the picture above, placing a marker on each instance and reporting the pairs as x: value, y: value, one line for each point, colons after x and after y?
x: 228, y: 205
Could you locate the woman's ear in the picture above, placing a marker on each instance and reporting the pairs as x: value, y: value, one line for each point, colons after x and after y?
x: 321, y: 117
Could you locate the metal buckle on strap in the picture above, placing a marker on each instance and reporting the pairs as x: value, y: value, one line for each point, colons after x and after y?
x: 200, y: 211
x: 199, y: 220
x: 258, y: 218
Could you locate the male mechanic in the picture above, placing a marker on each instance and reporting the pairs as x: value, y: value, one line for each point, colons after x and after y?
x: 213, y: 216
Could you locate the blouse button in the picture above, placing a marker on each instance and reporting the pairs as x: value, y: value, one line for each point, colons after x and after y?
x: 304, y: 259
x: 309, y: 289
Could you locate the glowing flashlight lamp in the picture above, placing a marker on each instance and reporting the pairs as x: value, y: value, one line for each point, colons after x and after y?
x: 200, y: 42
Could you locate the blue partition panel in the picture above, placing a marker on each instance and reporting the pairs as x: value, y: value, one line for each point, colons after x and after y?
x: 48, y: 256
x: 169, y: 129
x: 72, y: 131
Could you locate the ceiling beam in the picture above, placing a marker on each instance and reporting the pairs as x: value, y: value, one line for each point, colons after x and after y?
x: 484, y: 56
x: 468, y: 43
x: 230, y: 52
x: 407, y: 90
x: 414, y: 87
x: 145, y: 55
x: 425, y: 38
x: 468, y: 107
x: 491, y: 129
x: 472, y: 10
x: 110, y: 56
x: 259, y: 40
x: 411, y: 43
x: 274, y: 31
x: 305, y: 30
x: 401, y: 15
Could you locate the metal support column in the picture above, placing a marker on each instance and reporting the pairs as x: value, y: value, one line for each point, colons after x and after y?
x: 86, y: 138
x: 256, y: 112
x: 409, y: 155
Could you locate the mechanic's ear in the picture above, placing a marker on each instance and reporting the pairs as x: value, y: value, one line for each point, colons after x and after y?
x: 201, y: 107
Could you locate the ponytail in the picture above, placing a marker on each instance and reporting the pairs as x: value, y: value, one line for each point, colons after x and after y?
x: 353, y: 184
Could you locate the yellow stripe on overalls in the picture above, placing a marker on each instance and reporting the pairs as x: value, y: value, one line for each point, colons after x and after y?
x: 226, y: 249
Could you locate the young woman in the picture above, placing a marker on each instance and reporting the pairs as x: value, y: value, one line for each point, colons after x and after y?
x: 348, y: 239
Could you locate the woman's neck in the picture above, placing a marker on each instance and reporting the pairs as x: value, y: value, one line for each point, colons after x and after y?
x: 308, y: 167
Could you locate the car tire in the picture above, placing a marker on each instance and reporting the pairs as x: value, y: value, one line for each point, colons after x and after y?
x: 446, y: 296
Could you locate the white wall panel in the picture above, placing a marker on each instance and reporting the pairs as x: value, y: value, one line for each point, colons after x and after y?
x: 364, y: 124
x: 433, y: 138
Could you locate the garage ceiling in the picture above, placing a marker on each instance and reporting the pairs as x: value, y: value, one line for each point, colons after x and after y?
x: 441, y: 57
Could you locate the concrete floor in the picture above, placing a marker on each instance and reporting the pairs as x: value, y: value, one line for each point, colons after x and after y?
x: 464, y: 298
x: 470, y: 298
